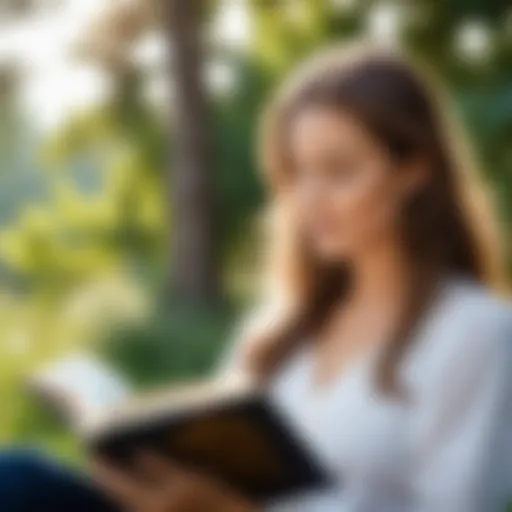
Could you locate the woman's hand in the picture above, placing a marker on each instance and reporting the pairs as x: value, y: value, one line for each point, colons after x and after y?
x: 163, y: 487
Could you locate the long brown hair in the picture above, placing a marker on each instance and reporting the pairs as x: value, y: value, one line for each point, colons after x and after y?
x: 447, y: 228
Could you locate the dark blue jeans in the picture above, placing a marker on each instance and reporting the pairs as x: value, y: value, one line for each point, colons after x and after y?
x: 31, y: 483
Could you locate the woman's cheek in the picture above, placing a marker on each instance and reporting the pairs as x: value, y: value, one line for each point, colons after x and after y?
x: 366, y: 214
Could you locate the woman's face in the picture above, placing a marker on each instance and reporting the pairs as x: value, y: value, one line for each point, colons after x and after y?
x: 347, y: 194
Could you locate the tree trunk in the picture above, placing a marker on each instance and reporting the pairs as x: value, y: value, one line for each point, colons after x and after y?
x: 193, y: 268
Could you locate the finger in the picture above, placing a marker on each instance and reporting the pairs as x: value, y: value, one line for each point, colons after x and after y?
x: 156, y: 468
x: 117, y: 484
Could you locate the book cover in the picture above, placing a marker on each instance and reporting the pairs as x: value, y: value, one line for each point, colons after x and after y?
x: 231, y: 430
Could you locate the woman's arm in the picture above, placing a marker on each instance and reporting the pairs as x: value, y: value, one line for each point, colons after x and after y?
x: 462, y: 443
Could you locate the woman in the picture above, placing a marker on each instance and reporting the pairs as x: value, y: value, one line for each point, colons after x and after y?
x: 387, y: 349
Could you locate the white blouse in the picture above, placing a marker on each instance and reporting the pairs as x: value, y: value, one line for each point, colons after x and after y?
x: 447, y: 448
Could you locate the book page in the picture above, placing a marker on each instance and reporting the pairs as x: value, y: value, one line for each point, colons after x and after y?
x: 80, y: 387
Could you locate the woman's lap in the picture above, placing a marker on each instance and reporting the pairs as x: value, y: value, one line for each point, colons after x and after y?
x: 30, y: 482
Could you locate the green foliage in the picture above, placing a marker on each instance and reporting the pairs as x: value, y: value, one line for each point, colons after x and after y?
x: 105, y: 208
x: 174, y: 343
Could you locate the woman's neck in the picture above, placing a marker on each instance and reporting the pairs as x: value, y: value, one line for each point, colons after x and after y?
x: 369, y: 315
x: 381, y: 275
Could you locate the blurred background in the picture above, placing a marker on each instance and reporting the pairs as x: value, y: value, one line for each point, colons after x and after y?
x: 129, y: 193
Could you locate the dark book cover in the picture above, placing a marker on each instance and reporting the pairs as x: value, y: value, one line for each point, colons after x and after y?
x: 229, y: 430
x: 244, y: 443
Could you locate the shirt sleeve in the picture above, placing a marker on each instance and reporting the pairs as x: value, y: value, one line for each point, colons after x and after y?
x: 462, y: 440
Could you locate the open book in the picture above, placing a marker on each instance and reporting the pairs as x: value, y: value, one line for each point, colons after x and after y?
x: 228, y: 429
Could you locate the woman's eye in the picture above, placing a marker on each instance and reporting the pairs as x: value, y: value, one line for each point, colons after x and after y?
x: 329, y: 174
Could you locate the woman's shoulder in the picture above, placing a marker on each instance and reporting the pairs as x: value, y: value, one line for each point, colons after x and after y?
x: 471, y: 307
x: 469, y: 330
